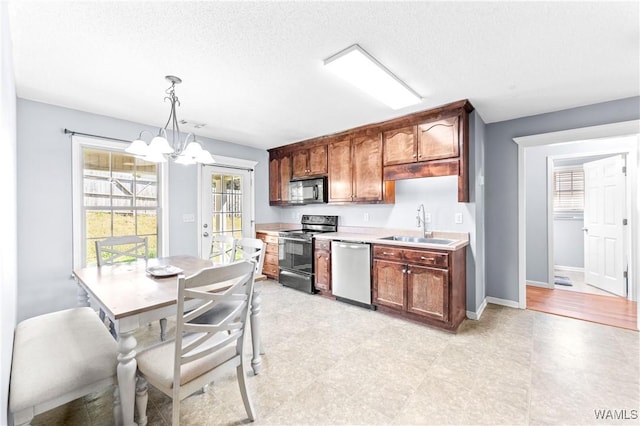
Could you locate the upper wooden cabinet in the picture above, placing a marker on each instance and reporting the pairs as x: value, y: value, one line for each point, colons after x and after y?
x: 430, y: 143
x: 355, y: 171
x: 363, y: 164
x: 279, y: 177
x: 310, y: 162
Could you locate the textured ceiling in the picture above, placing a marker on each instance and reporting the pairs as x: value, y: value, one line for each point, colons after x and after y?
x: 253, y: 71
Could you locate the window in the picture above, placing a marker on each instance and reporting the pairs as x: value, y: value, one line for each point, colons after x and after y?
x: 115, y: 194
x: 568, y: 193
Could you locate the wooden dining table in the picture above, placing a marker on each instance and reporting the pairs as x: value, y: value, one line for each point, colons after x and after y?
x: 132, y: 298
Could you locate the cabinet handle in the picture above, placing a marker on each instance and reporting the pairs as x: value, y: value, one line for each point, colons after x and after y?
x: 427, y: 258
x: 404, y: 271
x: 414, y: 155
x: 408, y: 271
x: 388, y: 254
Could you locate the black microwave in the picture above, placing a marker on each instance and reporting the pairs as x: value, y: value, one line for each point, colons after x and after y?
x: 308, y: 191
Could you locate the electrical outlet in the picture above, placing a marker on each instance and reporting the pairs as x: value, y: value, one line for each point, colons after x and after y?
x: 366, y: 217
x: 427, y: 217
x: 458, y: 218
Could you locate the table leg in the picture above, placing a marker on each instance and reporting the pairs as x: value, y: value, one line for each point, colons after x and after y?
x: 127, y: 367
x: 82, y: 296
x: 256, y: 302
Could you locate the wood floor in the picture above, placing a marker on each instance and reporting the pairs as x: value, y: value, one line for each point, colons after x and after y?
x: 614, y: 311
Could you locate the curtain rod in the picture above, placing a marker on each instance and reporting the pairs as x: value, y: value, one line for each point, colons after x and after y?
x: 73, y: 132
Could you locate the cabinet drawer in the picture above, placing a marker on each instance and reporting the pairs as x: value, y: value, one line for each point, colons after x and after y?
x: 323, y: 244
x: 272, y: 249
x: 386, y: 252
x: 271, y: 259
x: 271, y: 239
x: 428, y: 258
x: 270, y: 270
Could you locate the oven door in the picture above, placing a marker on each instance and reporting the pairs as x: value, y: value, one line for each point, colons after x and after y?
x: 294, y: 254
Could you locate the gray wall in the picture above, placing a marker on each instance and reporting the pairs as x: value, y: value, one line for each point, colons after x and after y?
x: 440, y: 198
x: 45, y: 199
x: 501, y: 179
x: 8, y: 219
x: 568, y: 237
x: 568, y: 243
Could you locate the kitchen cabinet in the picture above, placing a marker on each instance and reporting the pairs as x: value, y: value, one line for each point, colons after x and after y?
x: 310, y: 162
x: 362, y: 164
x: 355, y: 171
x: 270, y: 265
x: 422, y: 285
x: 322, y: 258
x: 431, y: 140
x: 279, y: 177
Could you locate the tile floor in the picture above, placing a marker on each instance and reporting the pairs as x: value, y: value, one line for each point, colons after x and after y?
x: 331, y: 363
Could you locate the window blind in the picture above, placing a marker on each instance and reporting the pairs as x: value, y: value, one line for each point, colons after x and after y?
x: 568, y: 193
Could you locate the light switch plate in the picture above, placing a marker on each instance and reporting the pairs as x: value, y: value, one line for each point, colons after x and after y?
x: 427, y: 217
x: 188, y: 217
x: 458, y: 218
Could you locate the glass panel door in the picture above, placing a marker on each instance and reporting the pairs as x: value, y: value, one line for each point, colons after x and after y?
x: 227, y: 207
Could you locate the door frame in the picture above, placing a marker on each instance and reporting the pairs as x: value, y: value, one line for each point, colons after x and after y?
x: 628, y: 231
x: 625, y: 128
x: 229, y: 163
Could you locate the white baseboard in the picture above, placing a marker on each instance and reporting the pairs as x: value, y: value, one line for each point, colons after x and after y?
x: 539, y: 284
x: 503, y: 302
x: 568, y: 268
x: 478, y: 313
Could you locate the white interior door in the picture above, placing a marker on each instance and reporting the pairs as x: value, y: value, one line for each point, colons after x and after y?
x: 226, y: 205
x: 604, y: 207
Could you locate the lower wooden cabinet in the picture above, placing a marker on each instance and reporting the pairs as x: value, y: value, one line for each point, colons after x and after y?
x: 322, y: 259
x: 423, y: 285
x: 270, y: 266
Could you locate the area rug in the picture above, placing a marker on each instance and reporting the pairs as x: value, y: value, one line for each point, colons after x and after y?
x: 558, y: 280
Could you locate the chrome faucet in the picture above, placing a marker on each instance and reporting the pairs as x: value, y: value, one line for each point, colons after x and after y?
x: 421, y: 221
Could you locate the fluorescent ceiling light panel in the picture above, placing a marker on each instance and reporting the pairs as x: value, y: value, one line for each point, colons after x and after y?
x: 363, y: 71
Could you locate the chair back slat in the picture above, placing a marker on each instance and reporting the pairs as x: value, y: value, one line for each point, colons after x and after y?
x: 196, y: 339
x: 121, y: 249
x: 251, y: 249
x: 223, y: 249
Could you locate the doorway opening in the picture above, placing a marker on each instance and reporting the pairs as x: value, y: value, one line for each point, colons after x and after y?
x: 539, y: 259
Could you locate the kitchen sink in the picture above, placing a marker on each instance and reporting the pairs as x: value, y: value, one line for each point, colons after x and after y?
x: 405, y: 239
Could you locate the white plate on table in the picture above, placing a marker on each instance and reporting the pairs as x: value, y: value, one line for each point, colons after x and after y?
x: 163, y: 270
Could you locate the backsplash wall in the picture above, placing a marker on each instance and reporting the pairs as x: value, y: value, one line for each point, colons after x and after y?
x: 438, y: 194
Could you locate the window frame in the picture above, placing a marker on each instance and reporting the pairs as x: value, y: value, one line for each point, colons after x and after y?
x: 79, y: 227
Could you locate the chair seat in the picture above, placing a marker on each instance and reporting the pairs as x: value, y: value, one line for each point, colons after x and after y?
x: 49, y: 360
x: 156, y: 363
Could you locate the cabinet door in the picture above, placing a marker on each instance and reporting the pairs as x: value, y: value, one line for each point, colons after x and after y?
x: 274, y: 180
x: 400, y: 146
x: 428, y: 292
x: 340, y: 170
x: 323, y: 271
x: 285, y: 177
x: 318, y: 160
x: 367, y: 168
x: 438, y: 139
x: 389, y: 284
x: 300, y: 160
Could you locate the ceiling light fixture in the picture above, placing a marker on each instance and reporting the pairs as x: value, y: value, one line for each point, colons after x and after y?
x: 362, y: 70
x: 159, y: 149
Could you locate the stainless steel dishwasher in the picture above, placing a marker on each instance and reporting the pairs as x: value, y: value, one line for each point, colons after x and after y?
x: 351, y: 272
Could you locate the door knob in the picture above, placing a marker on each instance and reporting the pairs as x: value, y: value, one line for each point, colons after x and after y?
x: 206, y: 234
x: 205, y: 225
x: 585, y: 229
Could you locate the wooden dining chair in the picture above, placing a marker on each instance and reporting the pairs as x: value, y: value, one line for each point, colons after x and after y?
x: 122, y: 249
x: 223, y: 249
x: 201, y: 351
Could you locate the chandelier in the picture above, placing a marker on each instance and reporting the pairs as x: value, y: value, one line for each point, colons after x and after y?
x: 160, y: 149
